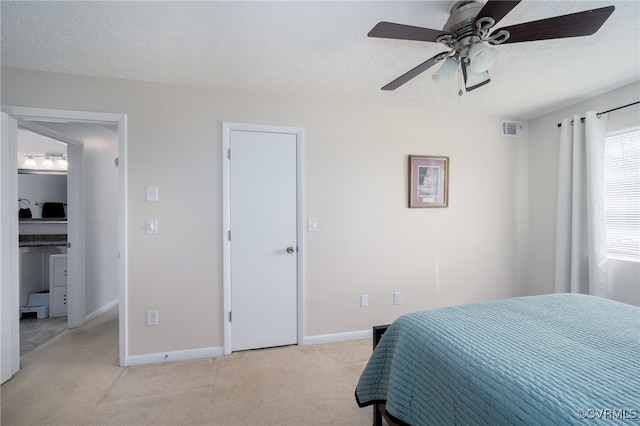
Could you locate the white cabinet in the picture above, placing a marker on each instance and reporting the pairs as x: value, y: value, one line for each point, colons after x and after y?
x: 58, y: 285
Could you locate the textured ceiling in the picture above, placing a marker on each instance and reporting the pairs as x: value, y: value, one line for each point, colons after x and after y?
x: 317, y: 49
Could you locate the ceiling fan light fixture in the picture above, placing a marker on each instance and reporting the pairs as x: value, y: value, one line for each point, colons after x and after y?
x: 446, y: 71
x: 481, y: 57
x: 476, y: 79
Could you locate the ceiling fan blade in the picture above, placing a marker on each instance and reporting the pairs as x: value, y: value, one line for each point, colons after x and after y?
x: 404, y: 32
x: 573, y: 25
x: 496, y: 9
x: 415, y: 72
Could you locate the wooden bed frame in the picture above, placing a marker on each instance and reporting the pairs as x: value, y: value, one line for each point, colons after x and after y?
x: 378, y: 409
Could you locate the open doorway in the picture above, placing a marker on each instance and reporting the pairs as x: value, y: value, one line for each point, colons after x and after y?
x: 39, y: 237
x: 98, y: 237
x: 42, y: 196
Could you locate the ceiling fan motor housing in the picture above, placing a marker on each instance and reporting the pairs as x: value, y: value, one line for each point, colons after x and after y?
x: 460, y: 25
x: 461, y: 15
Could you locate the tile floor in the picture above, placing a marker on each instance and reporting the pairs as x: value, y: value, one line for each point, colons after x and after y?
x: 35, y: 332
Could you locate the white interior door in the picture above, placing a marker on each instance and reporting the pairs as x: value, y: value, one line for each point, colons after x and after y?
x: 9, y: 294
x: 263, y: 239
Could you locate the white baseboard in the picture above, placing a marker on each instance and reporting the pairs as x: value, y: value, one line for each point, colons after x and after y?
x: 101, y: 310
x: 337, y: 337
x: 216, y: 351
x: 189, y: 354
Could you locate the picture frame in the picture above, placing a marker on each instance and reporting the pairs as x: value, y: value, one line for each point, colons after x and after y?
x: 428, y: 181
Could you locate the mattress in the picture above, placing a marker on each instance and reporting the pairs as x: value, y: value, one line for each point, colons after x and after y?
x: 539, y: 360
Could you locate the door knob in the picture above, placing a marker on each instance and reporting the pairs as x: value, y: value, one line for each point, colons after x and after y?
x: 289, y: 249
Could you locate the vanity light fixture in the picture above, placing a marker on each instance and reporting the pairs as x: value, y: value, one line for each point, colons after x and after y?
x: 50, y: 161
x: 47, y: 162
x: 62, y: 163
x: 30, y: 162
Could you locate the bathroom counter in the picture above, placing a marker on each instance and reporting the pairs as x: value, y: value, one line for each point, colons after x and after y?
x: 42, y: 240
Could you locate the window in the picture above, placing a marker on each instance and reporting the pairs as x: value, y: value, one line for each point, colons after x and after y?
x: 622, y: 194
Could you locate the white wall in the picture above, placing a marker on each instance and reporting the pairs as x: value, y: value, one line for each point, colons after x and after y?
x: 543, y: 174
x: 355, y: 183
x: 39, y: 188
x: 101, y: 220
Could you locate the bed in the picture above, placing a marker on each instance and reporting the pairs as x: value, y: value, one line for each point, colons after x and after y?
x: 539, y: 360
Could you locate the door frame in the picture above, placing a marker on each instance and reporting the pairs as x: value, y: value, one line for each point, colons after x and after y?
x: 46, y: 114
x: 227, y: 127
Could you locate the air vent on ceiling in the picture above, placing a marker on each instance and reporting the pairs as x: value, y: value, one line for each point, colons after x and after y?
x: 511, y: 129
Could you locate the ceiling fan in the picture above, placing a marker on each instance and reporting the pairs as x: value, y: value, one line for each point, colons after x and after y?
x: 469, y: 36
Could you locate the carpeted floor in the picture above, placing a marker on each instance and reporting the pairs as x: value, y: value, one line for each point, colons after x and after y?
x: 75, y: 380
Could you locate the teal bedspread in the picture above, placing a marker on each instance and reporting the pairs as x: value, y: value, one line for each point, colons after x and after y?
x: 540, y: 360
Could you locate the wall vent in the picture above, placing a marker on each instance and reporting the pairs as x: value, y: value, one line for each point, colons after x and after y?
x: 511, y: 129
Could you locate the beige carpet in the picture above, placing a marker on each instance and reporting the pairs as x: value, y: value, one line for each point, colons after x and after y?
x: 75, y: 380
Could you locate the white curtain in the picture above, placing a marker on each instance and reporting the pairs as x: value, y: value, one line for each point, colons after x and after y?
x: 581, y: 251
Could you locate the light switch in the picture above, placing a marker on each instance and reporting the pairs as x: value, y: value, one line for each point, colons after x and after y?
x: 312, y: 225
x: 152, y: 226
x: 152, y: 193
x: 364, y: 300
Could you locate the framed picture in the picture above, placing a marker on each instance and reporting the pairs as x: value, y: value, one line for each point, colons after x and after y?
x: 428, y: 181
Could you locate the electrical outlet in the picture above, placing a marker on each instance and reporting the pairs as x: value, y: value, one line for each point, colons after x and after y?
x: 152, y: 317
x: 397, y: 298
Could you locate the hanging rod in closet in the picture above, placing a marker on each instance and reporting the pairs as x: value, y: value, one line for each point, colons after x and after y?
x: 604, y: 112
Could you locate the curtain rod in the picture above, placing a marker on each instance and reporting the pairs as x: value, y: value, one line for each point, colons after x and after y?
x: 609, y: 110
